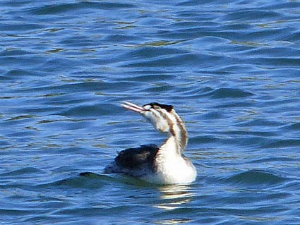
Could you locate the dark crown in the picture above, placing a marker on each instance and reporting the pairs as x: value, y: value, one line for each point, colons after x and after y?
x: 163, y: 106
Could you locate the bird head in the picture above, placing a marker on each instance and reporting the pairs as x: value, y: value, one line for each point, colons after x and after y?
x: 159, y: 115
x: 163, y: 118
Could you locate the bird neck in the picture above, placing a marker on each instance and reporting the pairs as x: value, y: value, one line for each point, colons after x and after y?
x: 177, y: 139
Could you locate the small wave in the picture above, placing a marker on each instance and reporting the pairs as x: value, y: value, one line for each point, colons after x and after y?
x: 229, y: 93
x: 90, y: 180
x: 213, y: 115
x: 89, y: 110
x: 84, y: 180
x: 152, y: 52
x: 273, y: 159
x: 66, y: 7
x: 256, y: 177
x: 261, y: 123
x: 294, y: 127
x: 283, y: 143
x: 204, y: 139
x: 179, y: 60
x: 23, y: 171
x: 250, y: 14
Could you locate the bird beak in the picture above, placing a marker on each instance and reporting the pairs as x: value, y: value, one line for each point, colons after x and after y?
x: 133, y: 107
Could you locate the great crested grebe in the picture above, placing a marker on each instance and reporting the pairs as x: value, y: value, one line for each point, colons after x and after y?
x: 165, y: 164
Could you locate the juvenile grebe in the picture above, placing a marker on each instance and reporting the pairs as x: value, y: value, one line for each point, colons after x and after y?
x: 165, y: 164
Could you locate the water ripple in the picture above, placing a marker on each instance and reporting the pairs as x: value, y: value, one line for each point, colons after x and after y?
x: 229, y: 93
x: 230, y: 68
x: 256, y: 177
x: 67, y: 7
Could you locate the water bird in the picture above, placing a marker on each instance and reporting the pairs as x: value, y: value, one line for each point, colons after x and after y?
x: 162, y: 165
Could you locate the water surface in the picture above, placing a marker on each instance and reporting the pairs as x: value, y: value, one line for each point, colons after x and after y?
x: 230, y: 68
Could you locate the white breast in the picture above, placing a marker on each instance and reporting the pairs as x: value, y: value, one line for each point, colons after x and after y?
x: 172, y: 168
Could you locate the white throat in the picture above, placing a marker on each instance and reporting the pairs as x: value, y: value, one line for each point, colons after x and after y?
x: 172, y: 167
x: 171, y: 147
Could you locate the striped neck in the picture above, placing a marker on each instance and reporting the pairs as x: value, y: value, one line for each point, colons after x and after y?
x: 178, y: 138
x: 179, y: 133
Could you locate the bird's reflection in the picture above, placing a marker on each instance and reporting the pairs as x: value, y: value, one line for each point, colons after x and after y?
x: 174, y: 196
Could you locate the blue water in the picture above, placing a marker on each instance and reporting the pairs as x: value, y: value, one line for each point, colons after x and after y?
x: 230, y: 68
